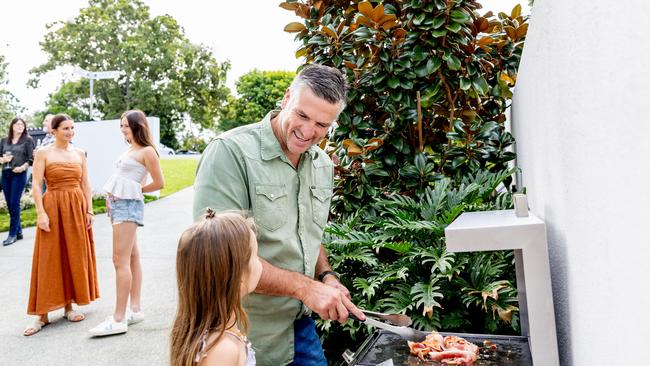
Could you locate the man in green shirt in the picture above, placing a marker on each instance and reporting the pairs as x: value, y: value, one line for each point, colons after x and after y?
x: 275, y: 170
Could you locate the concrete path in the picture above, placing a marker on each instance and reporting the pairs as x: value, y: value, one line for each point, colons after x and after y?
x: 66, y: 343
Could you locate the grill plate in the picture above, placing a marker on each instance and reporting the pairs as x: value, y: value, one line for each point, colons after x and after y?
x: 383, y: 345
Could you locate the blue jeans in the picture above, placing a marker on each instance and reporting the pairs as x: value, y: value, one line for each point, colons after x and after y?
x: 13, y: 185
x: 308, y: 351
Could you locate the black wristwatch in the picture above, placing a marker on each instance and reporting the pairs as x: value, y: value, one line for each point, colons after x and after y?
x: 321, y: 276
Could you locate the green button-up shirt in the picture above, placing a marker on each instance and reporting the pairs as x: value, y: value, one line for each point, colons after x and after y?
x: 246, y: 169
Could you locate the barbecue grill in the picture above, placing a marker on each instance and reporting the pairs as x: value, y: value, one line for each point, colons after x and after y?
x: 386, y: 347
x: 517, y: 230
x: 525, y: 233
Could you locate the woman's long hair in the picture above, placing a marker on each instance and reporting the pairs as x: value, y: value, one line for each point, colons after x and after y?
x: 10, y: 136
x: 211, y: 263
x: 137, y: 121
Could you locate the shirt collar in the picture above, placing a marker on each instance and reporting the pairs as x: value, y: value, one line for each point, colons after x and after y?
x: 270, y: 146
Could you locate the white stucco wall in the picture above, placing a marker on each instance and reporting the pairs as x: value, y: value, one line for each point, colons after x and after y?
x: 103, y: 142
x: 581, y: 121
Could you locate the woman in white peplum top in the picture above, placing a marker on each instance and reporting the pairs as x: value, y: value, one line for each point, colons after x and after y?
x: 125, y: 202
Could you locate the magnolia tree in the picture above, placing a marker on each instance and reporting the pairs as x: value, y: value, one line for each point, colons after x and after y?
x: 421, y: 140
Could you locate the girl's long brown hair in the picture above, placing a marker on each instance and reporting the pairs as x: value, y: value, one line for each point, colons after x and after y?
x: 211, y: 263
x: 137, y: 121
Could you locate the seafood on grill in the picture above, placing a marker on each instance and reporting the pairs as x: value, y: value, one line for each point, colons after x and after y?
x: 450, y: 350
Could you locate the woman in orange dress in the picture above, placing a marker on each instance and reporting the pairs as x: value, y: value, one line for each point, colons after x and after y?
x: 63, y: 267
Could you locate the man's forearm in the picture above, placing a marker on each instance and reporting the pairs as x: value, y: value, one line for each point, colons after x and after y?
x: 276, y: 281
x: 322, y: 263
x: 330, y: 300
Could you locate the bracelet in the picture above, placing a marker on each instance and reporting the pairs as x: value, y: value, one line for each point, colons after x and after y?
x: 90, y: 213
x: 322, y: 275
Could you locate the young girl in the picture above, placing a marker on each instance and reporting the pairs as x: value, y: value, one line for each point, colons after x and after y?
x: 125, y: 203
x: 216, y: 265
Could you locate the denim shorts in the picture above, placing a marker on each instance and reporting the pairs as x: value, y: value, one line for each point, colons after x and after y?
x: 126, y: 211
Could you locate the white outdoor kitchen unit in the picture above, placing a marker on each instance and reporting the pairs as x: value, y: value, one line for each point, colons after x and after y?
x: 524, y: 233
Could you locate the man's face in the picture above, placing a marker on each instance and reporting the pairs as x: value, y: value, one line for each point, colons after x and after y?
x: 47, y: 124
x: 304, y: 121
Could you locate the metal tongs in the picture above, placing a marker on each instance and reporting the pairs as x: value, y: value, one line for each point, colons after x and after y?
x: 401, y: 328
x: 400, y: 320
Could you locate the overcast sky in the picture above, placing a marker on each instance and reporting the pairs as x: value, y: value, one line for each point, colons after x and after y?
x: 248, y: 33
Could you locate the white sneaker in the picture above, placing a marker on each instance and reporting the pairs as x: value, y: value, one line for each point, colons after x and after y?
x: 134, y: 318
x: 108, y: 327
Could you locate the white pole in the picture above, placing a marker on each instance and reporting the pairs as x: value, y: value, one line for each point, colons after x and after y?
x: 92, y: 76
x: 90, y: 115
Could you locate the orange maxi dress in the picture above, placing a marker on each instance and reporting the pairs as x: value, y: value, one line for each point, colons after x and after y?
x: 64, y: 266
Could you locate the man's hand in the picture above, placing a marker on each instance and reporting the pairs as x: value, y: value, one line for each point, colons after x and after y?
x: 334, y: 282
x: 330, y: 302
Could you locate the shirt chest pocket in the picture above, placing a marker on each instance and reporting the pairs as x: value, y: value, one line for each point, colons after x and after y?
x: 270, y: 209
x: 321, y: 197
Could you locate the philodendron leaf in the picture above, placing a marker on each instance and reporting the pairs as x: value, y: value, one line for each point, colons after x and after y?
x: 425, y: 295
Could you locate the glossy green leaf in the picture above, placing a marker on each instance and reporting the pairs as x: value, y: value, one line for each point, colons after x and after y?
x: 480, y: 85
x: 465, y: 83
x: 393, y: 82
x: 390, y: 159
x: 460, y: 16
x: 433, y: 64
x: 419, y: 53
x: 439, y: 32
x: 438, y: 21
x: 453, y: 27
x: 418, y: 19
x: 453, y: 62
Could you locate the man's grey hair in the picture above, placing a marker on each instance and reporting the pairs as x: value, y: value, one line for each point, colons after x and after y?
x: 325, y: 82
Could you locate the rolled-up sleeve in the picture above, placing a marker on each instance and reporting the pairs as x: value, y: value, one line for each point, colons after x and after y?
x: 221, y: 179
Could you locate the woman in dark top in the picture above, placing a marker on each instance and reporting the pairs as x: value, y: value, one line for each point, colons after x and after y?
x: 16, y: 155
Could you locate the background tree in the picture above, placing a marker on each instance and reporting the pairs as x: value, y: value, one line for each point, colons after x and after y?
x: 161, y: 71
x: 258, y: 93
x: 421, y: 140
x: 66, y: 99
x: 8, y: 103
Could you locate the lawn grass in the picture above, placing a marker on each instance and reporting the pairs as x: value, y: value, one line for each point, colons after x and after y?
x: 179, y: 174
